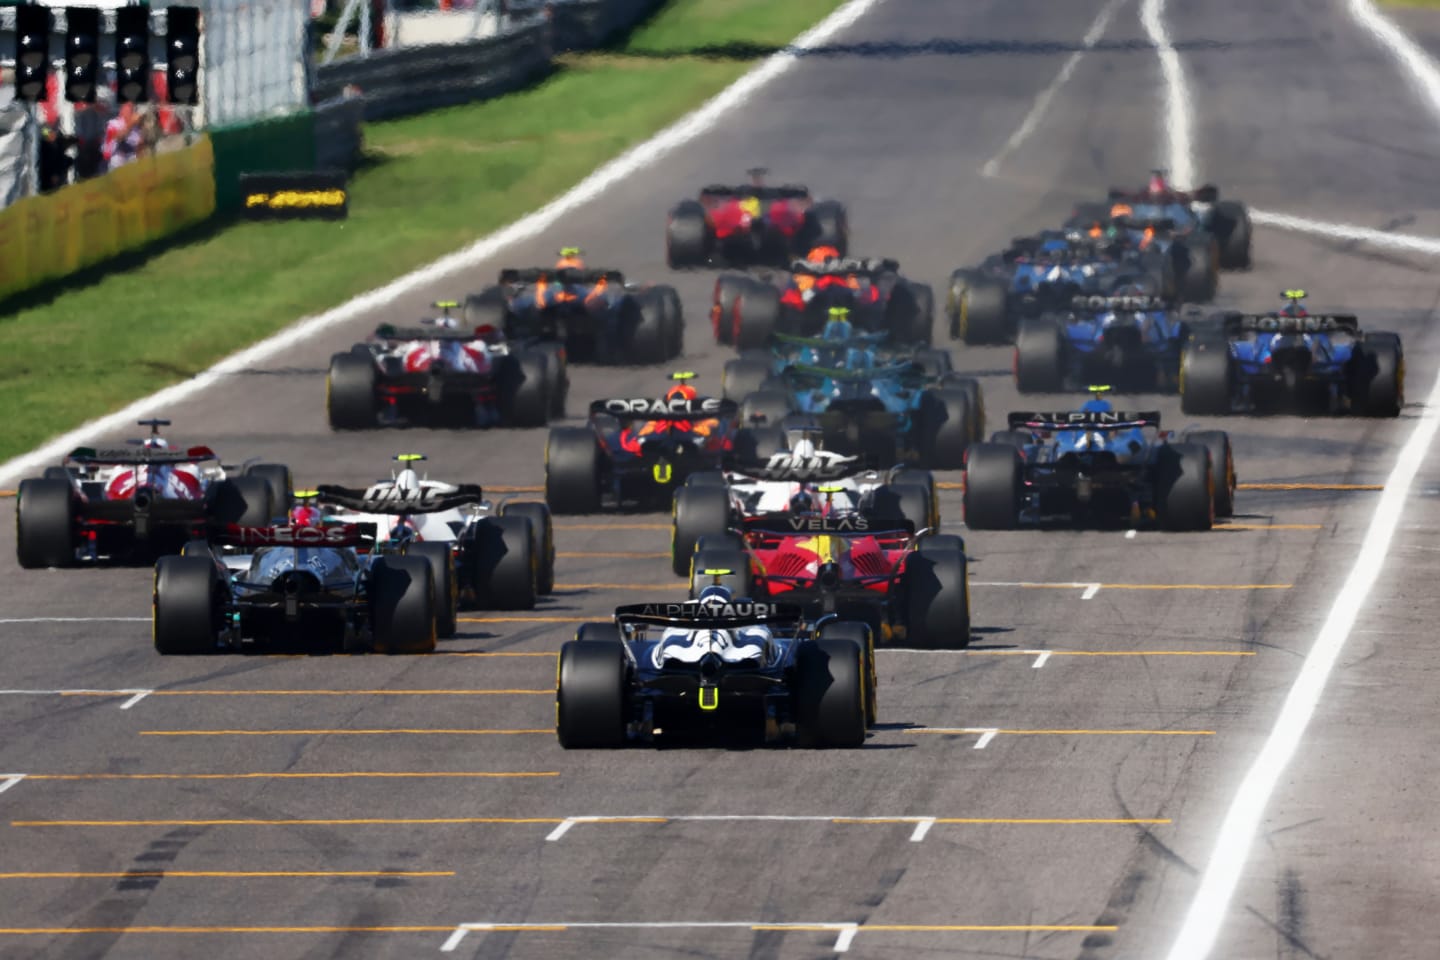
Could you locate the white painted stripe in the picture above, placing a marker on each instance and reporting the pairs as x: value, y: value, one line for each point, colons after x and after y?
x: 1177, y: 105
x: 562, y: 829
x: 1345, y: 231
x: 1090, y: 590
x: 847, y: 937
x: 454, y: 939
x: 985, y: 738
x: 1027, y: 583
x: 1040, y: 660
x: 1129, y: 534
x: 1210, y: 908
x: 921, y: 829
x: 596, y: 185
x: 1042, y: 100
x: 139, y: 695
x: 8, y: 780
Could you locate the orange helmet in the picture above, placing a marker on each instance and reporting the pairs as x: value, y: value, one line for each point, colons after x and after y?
x: 681, y: 391
x: 822, y: 253
x: 1120, y: 210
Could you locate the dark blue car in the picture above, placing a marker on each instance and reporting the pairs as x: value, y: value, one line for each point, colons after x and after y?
x: 1130, y: 338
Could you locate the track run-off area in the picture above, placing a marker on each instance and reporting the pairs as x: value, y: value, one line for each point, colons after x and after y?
x: 1157, y: 746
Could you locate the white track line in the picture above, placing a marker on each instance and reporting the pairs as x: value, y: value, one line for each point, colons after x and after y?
x: 8, y: 780
x: 921, y: 829
x: 1041, y: 659
x: 986, y: 735
x: 846, y: 930
x: 1042, y: 100
x: 596, y: 185
x: 1345, y: 231
x: 562, y: 829
x: 1209, y: 909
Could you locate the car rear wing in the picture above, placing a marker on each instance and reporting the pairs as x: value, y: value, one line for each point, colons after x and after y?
x: 844, y: 267
x: 788, y: 467
x: 393, y: 502
x: 390, y: 333
x: 289, y: 535
x: 511, y: 276
x: 1097, y: 303
x: 1083, y: 419
x: 658, y: 408
x: 1239, y: 325
x: 842, y: 374
x: 697, y: 615
x: 787, y: 191
x: 1206, y: 194
x: 862, y: 340
x: 137, y: 456
x: 1158, y: 224
x: 804, y: 525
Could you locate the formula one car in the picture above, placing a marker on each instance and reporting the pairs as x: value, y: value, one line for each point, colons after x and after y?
x: 661, y: 671
x: 483, y: 556
x: 1216, y: 231
x: 638, y: 448
x: 139, y: 502
x: 747, y: 311
x: 442, y: 372
x: 1129, y: 337
x: 1312, y: 363
x: 1035, y: 275
x: 293, y: 584
x: 597, y: 315
x: 752, y: 224
x: 1100, y: 466
x: 800, y: 479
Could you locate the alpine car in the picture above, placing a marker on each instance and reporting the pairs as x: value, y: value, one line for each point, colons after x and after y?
x: 638, y: 448
x: 443, y: 372
x: 661, y: 672
x: 748, y: 311
x: 300, y: 583
x: 752, y: 224
x: 1129, y: 337
x: 595, y: 314
x: 1292, y: 360
x: 139, y: 502
x: 1098, y: 466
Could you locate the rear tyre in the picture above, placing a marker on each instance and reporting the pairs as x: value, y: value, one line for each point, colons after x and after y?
x: 542, y: 547
x: 698, y: 511
x: 446, y: 599
x: 721, y: 557
x: 278, y: 478
x: 976, y: 397
x: 829, y: 694
x: 402, y: 609
x: 937, y: 595
x: 757, y: 314
x: 993, y: 482
x: 350, y: 392
x: 45, y: 524
x: 980, y: 315
x: 673, y: 313
x: 897, y: 504
x: 924, y: 329
x: 765, y: 407
x: 863, y: 637
x: 905, y: 319
x: 524, y: 390
x: 243, y: 501
x: 1039, y: 356
x: 590, y: 693
x: 1378, y: 388
x: 1222, y: 467
x: 942, y: 427
x: 572, y: 470
x: 1233, y: 225
x: 1183, y: 496
x: 650, y: 337
x: 504, y: 571
x: 1205, y: 377
x: 688, y: 239
x: 1199, y: 282
x: 758, y: 444
x: 487, y: 308
x: 187, y: 607
x: 742, y: 377
x: 557, y: 375
x: 722, y: 306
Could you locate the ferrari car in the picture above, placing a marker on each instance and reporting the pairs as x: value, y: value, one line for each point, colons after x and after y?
x: 447, y: 373
x: 140, y: 501
x: 1130, y: 338
x: 1098, y: 466
x: 748, y: 311
x: 638, y: 449
x: 660, y: 672
x: 597, y: 315
x: 1292, y: 360
x: 297, y: 583
x: 752, y: 224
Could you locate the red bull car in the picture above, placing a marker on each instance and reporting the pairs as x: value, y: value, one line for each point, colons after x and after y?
x: 144, y: 500
x: 752, y: 224
x: 444, y: 372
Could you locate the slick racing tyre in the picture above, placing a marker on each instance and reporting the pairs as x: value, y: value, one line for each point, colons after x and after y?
x: 350, y: 391
x: 45, y: 534
x: 487, y: 308
x: 1199, y: 281
x: 688, y: 240
x: 863, y: 637
x: 714, y: 553
x: 765, y: 408
x: 572, y: 470
x: 936, y: 589
x: 1184, y: 499
x: 542, y: 548
x: 829, y: 695
x: 896, y: 505
x: 757, y: 313
x: 187, y: 606
x: 976, y: 397
x: 590, y: 690
x: 524, y: 383
x: 1205, y: 376
x: 980, y: 310
x: 907, y: 320
x: 722, y: 306
x: 1377, y: 387
x: 650, y: 338
x: 557, y: 375
x: 673, y: 315
x: 744, y: 376
x: 1232, y: 225
x: 402, y: 605
x: 1222, y: 467
x: 282, y: 485
x: 942, y: 428
x: 1039, y: 356
x: 994, y: 478
x: 446, y: 599
x: 242, y: 501
x: 505, y: 569
x: 759, y: 444
x: 698, y: 511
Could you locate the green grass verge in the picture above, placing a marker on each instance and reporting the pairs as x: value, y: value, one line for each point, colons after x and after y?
x: 1413, y: 4
x: 437, y: 182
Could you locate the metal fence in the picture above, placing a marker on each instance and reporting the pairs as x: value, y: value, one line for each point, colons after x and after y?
x: 253, y: 59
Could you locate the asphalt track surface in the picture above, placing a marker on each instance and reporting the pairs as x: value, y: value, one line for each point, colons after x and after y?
x: 1079, y: 826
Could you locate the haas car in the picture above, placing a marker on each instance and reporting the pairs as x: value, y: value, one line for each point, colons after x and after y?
x: 1130, y: 338
x: 1101, y: 467
x: 638, y: 449
x: 139, y: 501
x: 596, y: 315
x: 1292, y: 360
x: 446, y: 373
x: 752, y: 224
x: 747, y: 311
x: 718, y: 665
x: 483, y: 556
x: 302, y: 583
x: 866, y: 558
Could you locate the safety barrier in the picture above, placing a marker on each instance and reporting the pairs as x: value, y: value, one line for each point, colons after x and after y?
x: 52, y: 235
x: 263, y: 146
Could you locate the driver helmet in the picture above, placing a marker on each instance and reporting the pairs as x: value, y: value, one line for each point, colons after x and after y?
x: 1294, y: 304
x: 156, y: 443
x: 715, y: 594
x: 822, y: 253
x: 1121, y: 210
x: 306, y: 515
x: 681, y: 391
x: 1158, y: 184
x: 802, y: 502
x: 570, y: 258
